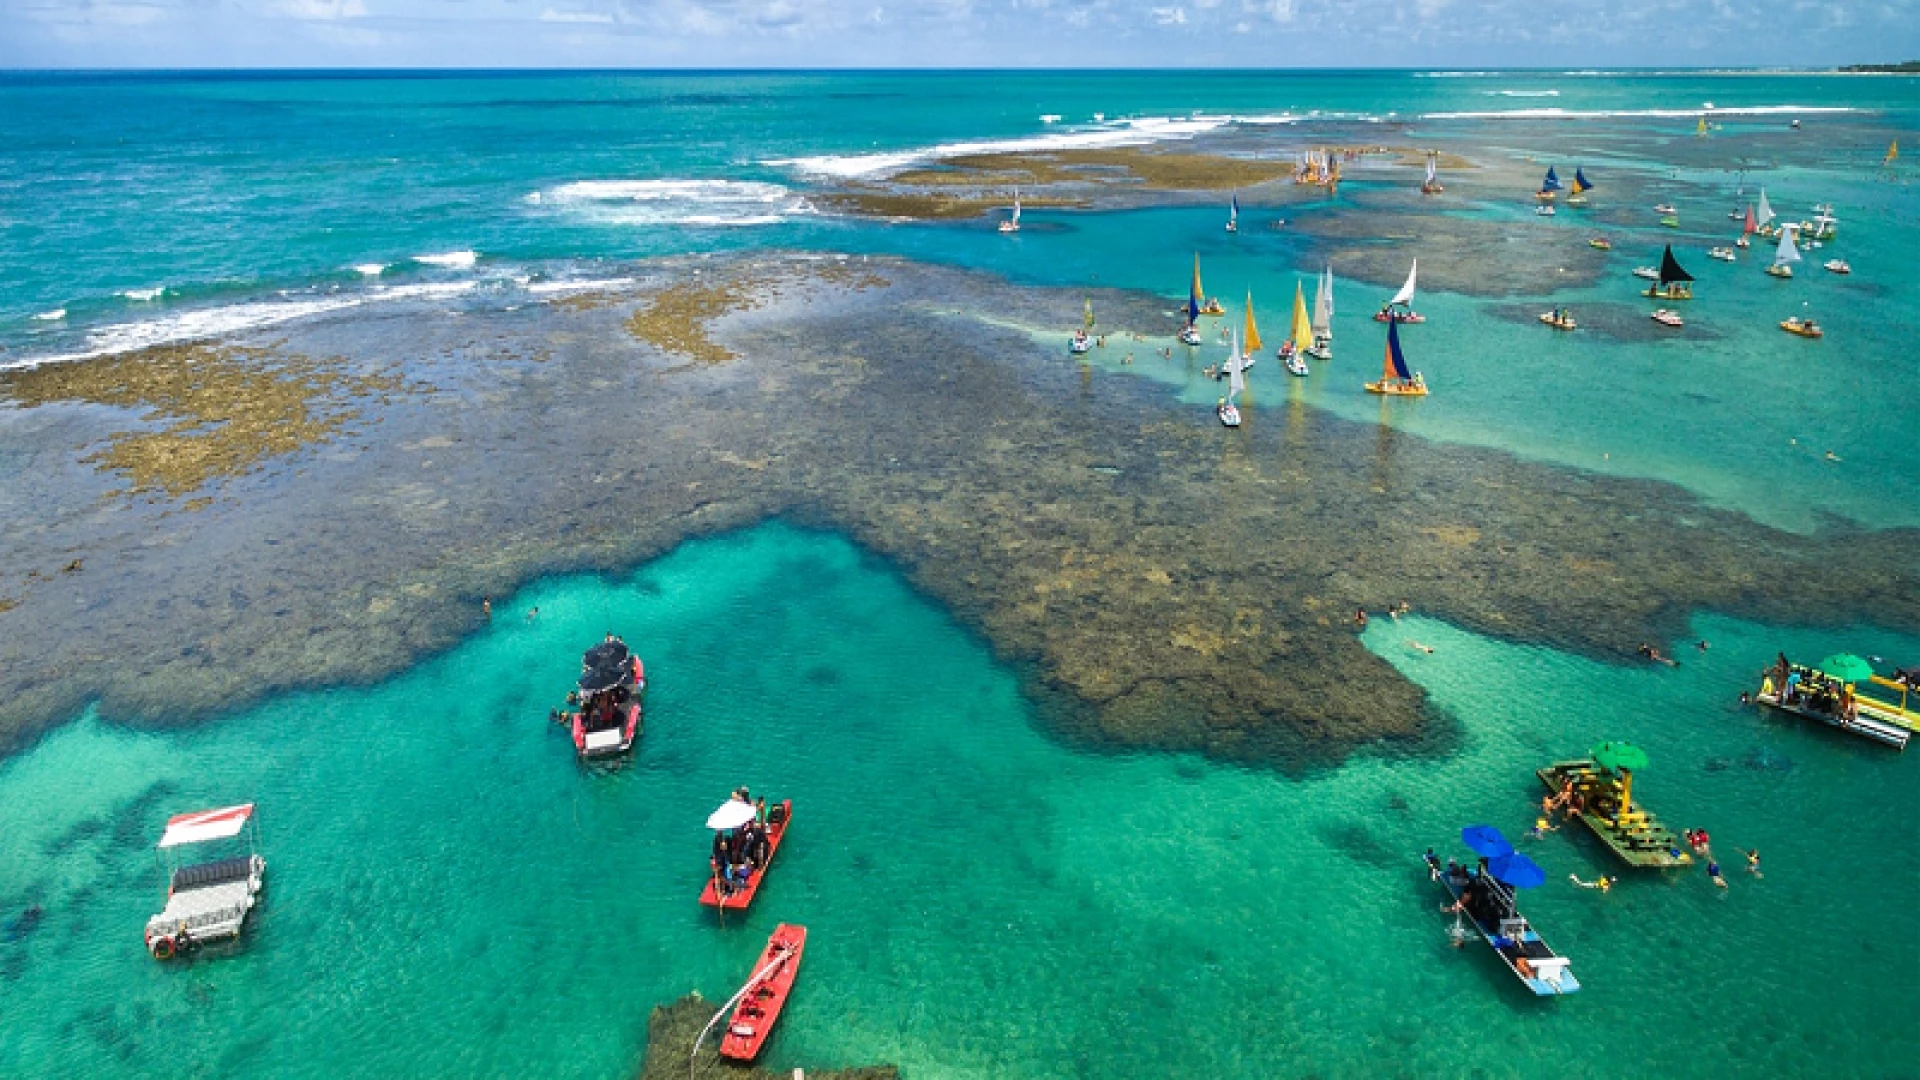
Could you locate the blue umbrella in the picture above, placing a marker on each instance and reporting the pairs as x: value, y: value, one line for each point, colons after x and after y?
x: 1485, y: 840
x: 1518, y: 871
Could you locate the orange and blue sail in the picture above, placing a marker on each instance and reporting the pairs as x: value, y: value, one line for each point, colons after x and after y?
x: 1396, y: 363
x: 1552, y: 182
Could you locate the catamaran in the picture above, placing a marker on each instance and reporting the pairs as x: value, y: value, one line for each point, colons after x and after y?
x: 1400, y: 308
x: 1293, y: 354
x: 1012, y: 224
x: 1228, y: 412
x: 1395, y: 379
x: 1322, y: 347
x: 1082, y: 338
x: 1431, y: 186
x: 1233, y: 214
x: 1581, y: 185
x: 1786, y: 254
x: 1548, y: 186
x: 210, y: 900
x: 1673, y: 283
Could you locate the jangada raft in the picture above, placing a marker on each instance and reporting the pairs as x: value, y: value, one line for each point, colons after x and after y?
x: 209, y: 900
x: 1395, y: 379
x: 1484, y: 898
x: 754, y: 1010
x: 612, y: 682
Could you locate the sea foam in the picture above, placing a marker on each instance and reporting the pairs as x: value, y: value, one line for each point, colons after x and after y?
x: 143, y: 295
x: 1607, y: 114
x: 675, y: 202
x: 451, y: 260
x: 1133, y: 132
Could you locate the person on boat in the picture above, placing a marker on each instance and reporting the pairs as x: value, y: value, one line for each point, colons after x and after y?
x: 1793, y: 689
x: 758, y: 846
x: 1603, y: 882
x: 760, y: 810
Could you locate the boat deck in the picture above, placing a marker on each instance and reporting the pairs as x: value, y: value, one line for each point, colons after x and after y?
x: 740, y: 899
x: 1637, y: 837
x: 1514, y: 937
x: 208, y: 911
x: 1870, y: 721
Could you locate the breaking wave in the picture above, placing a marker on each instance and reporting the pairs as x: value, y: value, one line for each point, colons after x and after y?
x: 674, y: 202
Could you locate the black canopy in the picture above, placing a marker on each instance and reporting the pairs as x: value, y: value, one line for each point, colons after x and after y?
x: 1670, y: 269
x: 595, y: 679
x: 607, y: 654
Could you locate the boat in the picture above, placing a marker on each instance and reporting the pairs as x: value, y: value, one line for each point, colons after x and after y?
x: 1226, y: 410
x: 1603, y: 782
x: 1233, y: 214
x: 1483, y: 898
x: 1431, y: 185
x: 1724, y: 254
x: 1747, y: 229
x: 1012, y: 224
x: 1601, y: 243
x: 1544, y: 210
x: 1253, y: 332
x: 1673, y: 283
x: 608, y: 699
x: 1701, y: 130
x: 1785, y: 255
x: 1209, y: 306
x: 737, y: 898
x: 1838, y: 266
x: 210, y: 899
x: 1395, y: 379
x: 1400, y: 308
x: 1651, y: 273
x: 1670, y: 222
x: 1322, y: 324
x: 765, y: 994
x: 1083, y: 337
x: 753, y: 1010
x: 1665, y: 210
x: 1558, y: 318
x: 1835, y: 694
x: 1190, y: 335
x: 1548, y: 186
x: 1581, y: 185
x: 1802, y: 327
x: 1763, y: 218
x: 1293, y: 354
x: 1893, y: 154
x: 1668, y: 318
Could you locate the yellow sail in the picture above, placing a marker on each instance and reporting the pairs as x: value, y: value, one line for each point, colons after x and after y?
x: 1199, y: 294
x: 1893, y: 151
x: 1702, y: 129
x: 1302, y: 329
x: 1253, y: 332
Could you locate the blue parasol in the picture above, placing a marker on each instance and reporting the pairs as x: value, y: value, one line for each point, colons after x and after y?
x: 1518, y: 871
x: 1486, y: 841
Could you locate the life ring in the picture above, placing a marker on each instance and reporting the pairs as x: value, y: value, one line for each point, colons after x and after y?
x: 162, y: 947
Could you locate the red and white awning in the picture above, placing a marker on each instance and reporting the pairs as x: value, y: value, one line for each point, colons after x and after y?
x: 206, y: 825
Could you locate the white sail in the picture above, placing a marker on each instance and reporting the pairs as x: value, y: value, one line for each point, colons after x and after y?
x: 1016, y: 206
x: 1763, y: 213
x: 1236, y: 383
x: 1405, y: 295
x: 1430, y: 170
x: 1323, y: 305
x: 1787, y: 252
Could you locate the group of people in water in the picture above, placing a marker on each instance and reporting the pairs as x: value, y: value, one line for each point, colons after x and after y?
x: 740, y: 853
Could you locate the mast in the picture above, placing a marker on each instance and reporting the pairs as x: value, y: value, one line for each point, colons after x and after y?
x: 1233, y: 211
x: 1199, y: 295
x: 1747, y: 227
x: 1016, y: 206
x: 1430, y: 168
x: 1253, y: 332
x: 1088, y: 319
x: 1302, y: 331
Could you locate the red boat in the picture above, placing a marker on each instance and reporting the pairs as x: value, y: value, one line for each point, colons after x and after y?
x: 612, y: 681
x: 765, y: 994
x: 1408, y: 317
x: 777, y: 822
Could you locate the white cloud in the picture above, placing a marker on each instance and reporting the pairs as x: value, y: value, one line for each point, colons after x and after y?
x: 1170, y: 16
x: 549, y: 15
x: 320, y: 10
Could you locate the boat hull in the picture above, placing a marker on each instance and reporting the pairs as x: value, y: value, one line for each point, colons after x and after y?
x: 1396, y: 389
x: 753, y: 1018
x: 740, y: 899
x: 1528, y: 945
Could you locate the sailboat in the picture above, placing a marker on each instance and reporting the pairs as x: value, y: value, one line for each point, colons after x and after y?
x: 1766, y: 216
x: 1548, y: 186
x: 1400, y: 308
x: 1294, y: 352
x: 1893, y: 154
x: 1700, y: 130
x: 1083, y: 337
x: 1785, y: 255
x: 1191, y: 334
x: 1395, y: 379
x: 1211, y: 305
x: 1233, y: 214
x: 1673, y: 283
x: 1253, y: 337
x: 1581, y: 185
x: 1822, y: 227
x: 1228, y: 412
x: 1322, y: 326
x: 1431, y: 186
x: 1012, y: 224
x: 1746, y: 229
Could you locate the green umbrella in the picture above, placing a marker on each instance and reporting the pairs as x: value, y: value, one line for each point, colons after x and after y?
x: 1618, y: 755
x: 1846, y: 667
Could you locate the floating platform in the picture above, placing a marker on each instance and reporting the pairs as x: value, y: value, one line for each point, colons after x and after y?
x: 1636, y: 836
x: 1884, y: 722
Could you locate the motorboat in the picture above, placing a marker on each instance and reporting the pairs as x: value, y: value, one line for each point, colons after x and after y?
x: 1668, y: 318
x: 1600, y: 243
x: 1648, y: 272
x: 719, y: 893
x: 1544, y: 210
x: 1802, y: 327
x: 1484, y: 898
x: 1079, y: 343
x: 604, y: 710
x: 1723, y: 254
x: 1857, y: 702
x: 209, y: 897
x: 1666, y: 209
x: 1670, y: 222
x: 1559, y: 319
x: 1190, y: 336
x: 1838, y: 266
x: 1229, y: 414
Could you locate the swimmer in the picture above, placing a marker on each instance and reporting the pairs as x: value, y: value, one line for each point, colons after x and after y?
x: 486, y: 606
x: 1702, y: 645
x: 1360, y: 618
x: 534, y: 614
x: 1603, y: 883
x: 1541, y: 827
x: 1831, y: 456
x: 1713, y: 871
x: 1428, y: 649
x: 1753, y: 862
x: 1128, y: 360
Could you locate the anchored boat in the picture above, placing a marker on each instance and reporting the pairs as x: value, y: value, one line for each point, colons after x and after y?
x: 1400, y: 308
x: 1786, y: 254
x: 1601, y: 796
x: 755, y: 1008
x: 1672, y: 283
x: 612, y: 682
x: 1211, y: 304
x: 1322, y: 325
x: 1012, y: 224
x: 1830, y: 694
x: 1485, y: 898
x: 207, y: 900
x: 1395, y: 379
x: 726, y: 892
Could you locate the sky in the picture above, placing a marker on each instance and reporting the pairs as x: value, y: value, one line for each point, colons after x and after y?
x: 953, y: 33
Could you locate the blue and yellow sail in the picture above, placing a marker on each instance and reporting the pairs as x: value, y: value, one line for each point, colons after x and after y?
x: 1194, y: 295
x: 1581, y: 185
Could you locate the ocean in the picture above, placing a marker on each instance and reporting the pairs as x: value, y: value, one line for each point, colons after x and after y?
x: 985, y: 898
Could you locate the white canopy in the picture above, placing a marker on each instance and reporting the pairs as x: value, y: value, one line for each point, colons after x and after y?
x: 206, y: 825
x: 731, y: 815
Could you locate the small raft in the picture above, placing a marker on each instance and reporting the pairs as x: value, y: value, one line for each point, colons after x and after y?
x: 765, y: 994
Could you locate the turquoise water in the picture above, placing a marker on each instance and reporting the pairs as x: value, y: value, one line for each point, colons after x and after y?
x: 450, y: 894
x: 238, y: 194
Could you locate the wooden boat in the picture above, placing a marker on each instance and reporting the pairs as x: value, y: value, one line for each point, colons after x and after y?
x: 208, y: 900
x: 1400, y: 308
x: 1763, y: 217
x: 612, y: 684
x: 1300, y: 342
x: 1668, y: 318
x: 1431, y: 185
x: 1226, y: 410
x: 1802, y: 327
x: 1559, y: 319
x: 1817, y: 696
x: 778, y: 819
x: 1396, y: 380
x: 765, y: 994
x: 1083, y: 337
x: 1601, y: 243
x: 1838, y: 266
x: 1322, y: 324
x: 1581, y: 185
x: 1012, y: 224
x: 1785, y: 255
x: 1627, y: 830
x: 1489, y: 907
x: 1548, y: 186
x: 1233, y: 214
x: 1672, y: 283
